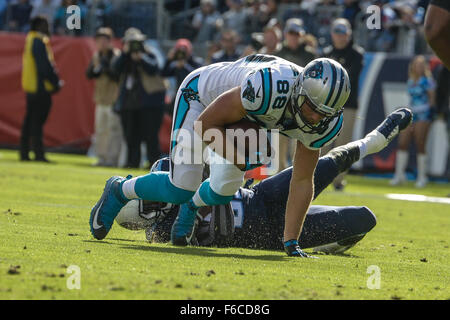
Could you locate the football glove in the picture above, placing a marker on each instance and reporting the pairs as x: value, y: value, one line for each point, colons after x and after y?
x: 293, y: 249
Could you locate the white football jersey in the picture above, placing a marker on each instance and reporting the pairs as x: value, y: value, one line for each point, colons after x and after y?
x: 266, y: 85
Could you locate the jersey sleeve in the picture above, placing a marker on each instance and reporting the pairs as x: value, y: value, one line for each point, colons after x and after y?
x: 256, y: 92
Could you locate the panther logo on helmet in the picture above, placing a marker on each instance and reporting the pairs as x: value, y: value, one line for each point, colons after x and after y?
x: 315, y: 71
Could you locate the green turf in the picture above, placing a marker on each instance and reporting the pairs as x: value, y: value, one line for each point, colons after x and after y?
x: 44, y: 213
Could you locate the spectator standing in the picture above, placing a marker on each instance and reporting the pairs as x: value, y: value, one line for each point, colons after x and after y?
x: 421, y: 90
x: 206, y: 20
x: 39, y: 81
x: 46, y: 8
x: 255, y: 20
x: 141, y: 97
x: 272, y: 39
x: 228, y: 43
x: 108, y: 130
x: 19, y: 19
x: 234, y: 18
x: 293, y: 49
x: 180, y: 62
x: 350, y: 56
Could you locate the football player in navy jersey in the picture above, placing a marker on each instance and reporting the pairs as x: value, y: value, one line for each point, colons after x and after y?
x: 254, y: 218
x: 303, y: 103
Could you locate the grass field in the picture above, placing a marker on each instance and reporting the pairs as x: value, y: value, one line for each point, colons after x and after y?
x: 44, y: 213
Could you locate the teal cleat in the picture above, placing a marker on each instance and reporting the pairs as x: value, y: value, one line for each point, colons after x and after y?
x: 107, y: 208
x: 183, y: 228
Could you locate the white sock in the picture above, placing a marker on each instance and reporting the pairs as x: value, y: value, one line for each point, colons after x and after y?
x: 128, y: 189
x: 421, y: 166
x: 373, y: 142
x: 400, y: 163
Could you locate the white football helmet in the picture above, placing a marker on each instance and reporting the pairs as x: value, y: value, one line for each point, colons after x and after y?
x: 325, y: 83
x: 139, y: 214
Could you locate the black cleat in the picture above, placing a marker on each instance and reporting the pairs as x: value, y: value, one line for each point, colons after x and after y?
x: 394, y: 123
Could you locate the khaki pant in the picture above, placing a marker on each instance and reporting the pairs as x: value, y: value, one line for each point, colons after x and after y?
x: 108, y: 136
x: 344, y: 137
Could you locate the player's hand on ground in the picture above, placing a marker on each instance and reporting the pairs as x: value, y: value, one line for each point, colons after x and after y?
x: 293, y: 250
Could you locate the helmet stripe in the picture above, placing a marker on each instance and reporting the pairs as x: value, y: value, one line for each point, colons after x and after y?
x: 333, y: 83
x: 341, y: 84
x: 266, y: 77
x: 336, y: 129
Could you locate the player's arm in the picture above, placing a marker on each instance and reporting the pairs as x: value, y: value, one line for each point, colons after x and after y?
x: 225, y: 109
x: 301, y: 190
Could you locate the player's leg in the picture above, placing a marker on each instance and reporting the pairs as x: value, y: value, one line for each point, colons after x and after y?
x: 437, y: 26
x: 224, y: 181
x: 420, y: 139
x: 26, y: 129
x: 402, y: 155
x: 335, y: 229
x: 185, y: 173
x: 176, y: 186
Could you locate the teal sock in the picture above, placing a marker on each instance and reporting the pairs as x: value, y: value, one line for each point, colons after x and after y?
x: 206, y: 196
x: 156, y: 186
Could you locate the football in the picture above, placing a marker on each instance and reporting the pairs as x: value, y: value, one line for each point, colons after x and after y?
x: 249, y: 134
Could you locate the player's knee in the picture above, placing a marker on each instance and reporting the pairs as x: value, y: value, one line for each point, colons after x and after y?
x: 227, y: 188
x: 226, y: 179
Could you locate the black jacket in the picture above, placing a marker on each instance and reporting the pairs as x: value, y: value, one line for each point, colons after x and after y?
x: 301, y: 56
x: 105, y: 67
x: 138, y: 96
x: 170, y: 69
x: 351, y: 58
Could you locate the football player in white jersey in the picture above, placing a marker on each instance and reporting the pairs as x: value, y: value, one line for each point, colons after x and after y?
x: 305, y: 104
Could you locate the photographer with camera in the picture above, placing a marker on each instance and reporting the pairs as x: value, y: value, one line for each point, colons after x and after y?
x: 180, y: 62
x: 108, y: 130
x: 141, y: 97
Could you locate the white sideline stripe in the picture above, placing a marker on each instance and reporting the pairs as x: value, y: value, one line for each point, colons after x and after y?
x: 417, y: 197
x: 396, y: 196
